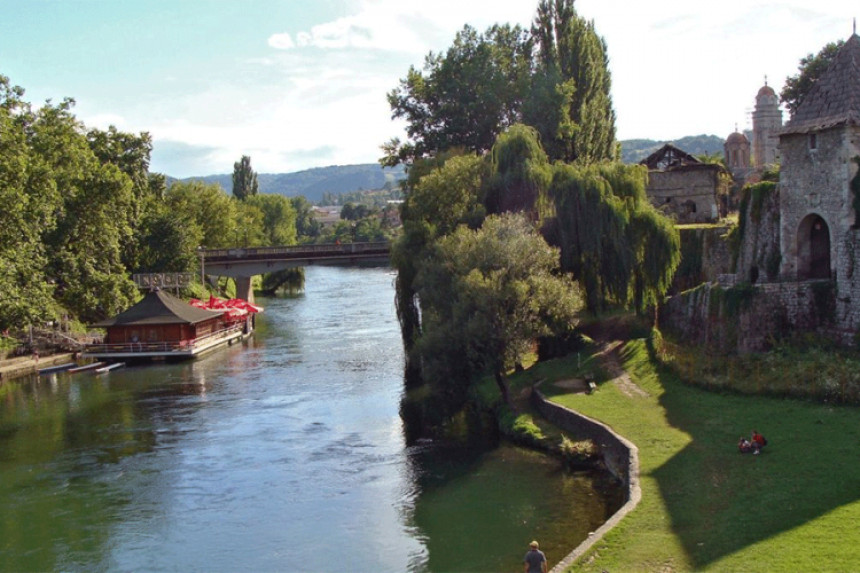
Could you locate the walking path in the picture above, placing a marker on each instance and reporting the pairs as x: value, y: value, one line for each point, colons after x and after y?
x: 612, y: 362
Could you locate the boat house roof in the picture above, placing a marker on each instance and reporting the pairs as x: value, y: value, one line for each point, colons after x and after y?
x: 158, y: 307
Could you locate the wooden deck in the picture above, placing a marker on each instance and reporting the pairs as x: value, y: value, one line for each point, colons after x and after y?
x: 163, y: 350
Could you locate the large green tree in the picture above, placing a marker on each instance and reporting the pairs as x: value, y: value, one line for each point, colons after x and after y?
x: 167, y: 240
x: 809, y: 71
x: 85, y: 248
x: 464, y: 98
x: 554, y: 78
x: 572, y: 56
x: 30, y: 202
x: 448, y: 195
x: 244, y: 179
x: 130, y: 154
x: 210, y: 208
x: 486, y: 295
x: 308, y: 227
x: 279, y: 219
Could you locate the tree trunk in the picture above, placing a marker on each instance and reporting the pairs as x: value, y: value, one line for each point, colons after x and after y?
x: 502, y: 383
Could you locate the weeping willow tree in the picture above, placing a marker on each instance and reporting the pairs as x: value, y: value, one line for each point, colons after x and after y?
x: 520, y: 174
x: 612, y: 240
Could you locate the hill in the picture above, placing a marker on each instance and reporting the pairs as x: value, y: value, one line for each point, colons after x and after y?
x: 340, y: 179
x: 635, y: 150
x: 312, y: 183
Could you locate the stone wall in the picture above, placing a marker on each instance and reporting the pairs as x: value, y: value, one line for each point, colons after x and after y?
x: 747, y: 318
x: 688, y: 195
x: 847, y: 322
x: 705, y: 255
x: 620, y: 456
x: 759, y: 255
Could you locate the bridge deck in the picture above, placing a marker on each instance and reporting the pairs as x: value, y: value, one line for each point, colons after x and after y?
x: 304, y: 252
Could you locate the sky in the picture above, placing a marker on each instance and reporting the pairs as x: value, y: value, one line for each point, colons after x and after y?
x: 297, y: 84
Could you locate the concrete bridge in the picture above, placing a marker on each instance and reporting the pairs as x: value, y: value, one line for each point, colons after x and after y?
x: 243, y: 263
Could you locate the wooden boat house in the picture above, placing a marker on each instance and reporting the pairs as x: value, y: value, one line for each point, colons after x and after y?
x: 162, y: 326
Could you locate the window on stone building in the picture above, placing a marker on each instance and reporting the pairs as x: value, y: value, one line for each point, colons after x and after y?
x: 813, y: 141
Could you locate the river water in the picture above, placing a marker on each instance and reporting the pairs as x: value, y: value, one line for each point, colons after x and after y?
x: 283, y: 454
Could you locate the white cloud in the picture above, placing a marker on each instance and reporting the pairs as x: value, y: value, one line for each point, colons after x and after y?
x: 281, y: 41
x: 318, y: 96
x: 411, y: 27
x: 104, y: 120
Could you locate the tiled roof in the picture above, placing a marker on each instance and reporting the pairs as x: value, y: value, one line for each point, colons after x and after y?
x: 835, y: 98
x: 158, y: 307
x: 668, y: 156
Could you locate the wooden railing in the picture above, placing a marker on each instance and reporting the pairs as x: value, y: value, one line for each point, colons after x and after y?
x: 165, y: 347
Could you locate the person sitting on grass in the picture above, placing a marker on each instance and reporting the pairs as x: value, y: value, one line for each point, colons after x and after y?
x: 758, y: 441
x: 744, y: 445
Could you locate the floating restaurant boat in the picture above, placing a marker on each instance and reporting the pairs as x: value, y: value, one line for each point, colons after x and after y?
x: 162, y: 326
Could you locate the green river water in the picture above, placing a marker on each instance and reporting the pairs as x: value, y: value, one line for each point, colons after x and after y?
x: 283, y: 454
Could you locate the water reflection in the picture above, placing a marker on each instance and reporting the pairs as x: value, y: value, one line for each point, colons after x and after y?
x: 284, y: 454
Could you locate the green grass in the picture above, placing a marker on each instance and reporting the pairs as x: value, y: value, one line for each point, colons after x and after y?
x: 525, y: 426
x: 705, y: 506
x: 806, y: 367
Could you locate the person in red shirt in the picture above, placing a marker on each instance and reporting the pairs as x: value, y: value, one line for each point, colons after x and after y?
x: 758, y: 441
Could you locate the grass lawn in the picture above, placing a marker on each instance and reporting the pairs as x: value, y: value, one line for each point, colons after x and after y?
x: 705, y: 506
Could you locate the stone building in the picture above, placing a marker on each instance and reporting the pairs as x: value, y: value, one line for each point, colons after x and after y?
x: 799, y: 253
x: 767, y: 122
x: 684, y: 187
x: 820, y: 146
x: 737, y: 153
x: 738, y: 159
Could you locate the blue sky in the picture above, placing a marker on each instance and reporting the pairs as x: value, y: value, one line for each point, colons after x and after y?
x: 301, y: 84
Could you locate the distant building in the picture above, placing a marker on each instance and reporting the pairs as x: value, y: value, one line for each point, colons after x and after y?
x: 738, y: 156
x: 685, y: 188
x: 767, y: 123
x: 328, y: 216
x: 163, y: 326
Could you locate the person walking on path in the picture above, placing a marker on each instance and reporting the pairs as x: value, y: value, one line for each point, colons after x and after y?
x: 535, y: 560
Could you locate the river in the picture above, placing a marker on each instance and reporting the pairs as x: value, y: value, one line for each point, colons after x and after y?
x: 283, y: 454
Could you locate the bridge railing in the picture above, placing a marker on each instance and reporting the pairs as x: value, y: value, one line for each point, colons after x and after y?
x: 298, y: 251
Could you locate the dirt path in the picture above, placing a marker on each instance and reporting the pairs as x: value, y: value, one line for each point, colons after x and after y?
x: 610, y: 359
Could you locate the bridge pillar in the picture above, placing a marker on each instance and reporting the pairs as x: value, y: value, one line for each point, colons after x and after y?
x: 244, y: 289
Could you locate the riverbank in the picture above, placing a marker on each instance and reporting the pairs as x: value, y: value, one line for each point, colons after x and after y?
x: 11, y: 368
x: 705, y: 506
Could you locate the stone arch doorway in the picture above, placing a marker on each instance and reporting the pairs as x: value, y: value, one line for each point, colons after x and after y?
x: 813, y: 248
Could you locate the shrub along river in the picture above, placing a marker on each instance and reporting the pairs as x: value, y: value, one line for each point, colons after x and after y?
x: 283, y: 454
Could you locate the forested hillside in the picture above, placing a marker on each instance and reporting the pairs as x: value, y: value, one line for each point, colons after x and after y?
x: 313, y: 183
x: 340, y: 179
x: 635, y: 150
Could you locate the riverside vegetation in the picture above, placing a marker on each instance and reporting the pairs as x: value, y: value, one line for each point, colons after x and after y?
x: 83, y: 212
x: 703, y: 505
x: 512, y: 157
